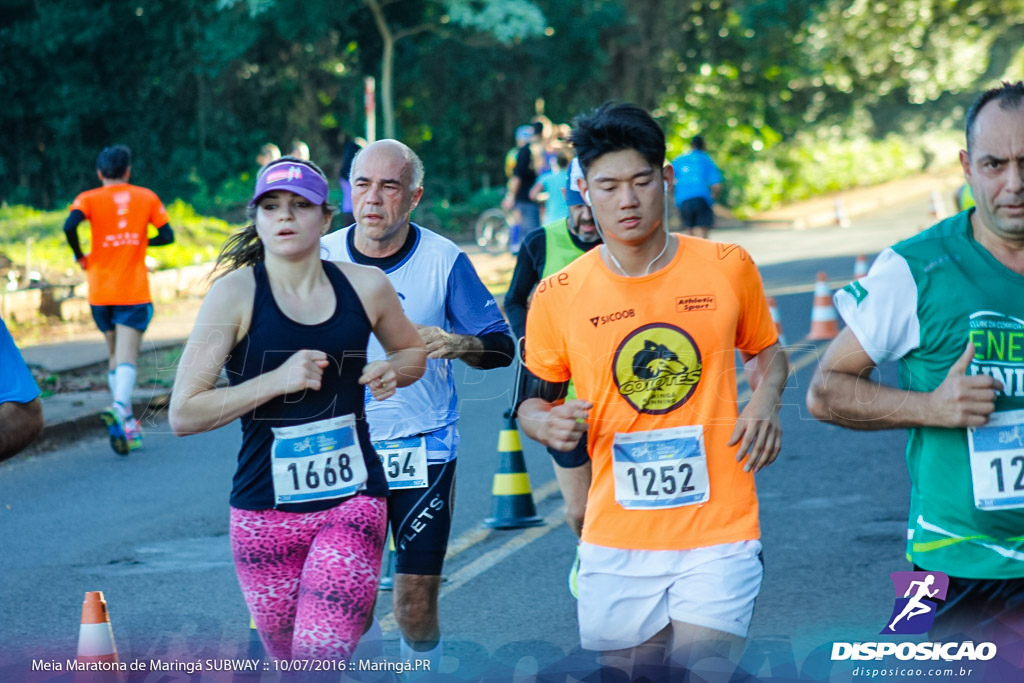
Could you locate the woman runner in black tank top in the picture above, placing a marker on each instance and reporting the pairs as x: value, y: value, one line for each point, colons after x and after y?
x: 307, y: 503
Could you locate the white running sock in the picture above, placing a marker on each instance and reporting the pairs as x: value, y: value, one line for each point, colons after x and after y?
x: 110, y: 380
x: 432, y: 656
x: 124, y: 385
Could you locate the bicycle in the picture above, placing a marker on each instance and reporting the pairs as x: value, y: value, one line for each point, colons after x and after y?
x: 495, y: 231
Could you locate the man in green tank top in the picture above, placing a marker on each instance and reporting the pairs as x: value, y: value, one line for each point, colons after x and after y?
x: 545, y: 252
x: 949, y: 305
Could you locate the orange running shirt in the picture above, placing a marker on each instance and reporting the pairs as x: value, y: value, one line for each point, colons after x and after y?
x: 651, y: 353
x: 119, y: 217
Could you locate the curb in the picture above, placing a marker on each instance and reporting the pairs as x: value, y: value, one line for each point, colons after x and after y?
x: 86, y: 422
x: 72, y: 415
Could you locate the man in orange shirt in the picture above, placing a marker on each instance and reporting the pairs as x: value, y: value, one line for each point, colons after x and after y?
x: 119, y: 216
x: 647, y: 326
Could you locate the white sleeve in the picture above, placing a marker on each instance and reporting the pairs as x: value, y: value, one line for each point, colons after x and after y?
x: 881, y: 308
x: 332, y: 246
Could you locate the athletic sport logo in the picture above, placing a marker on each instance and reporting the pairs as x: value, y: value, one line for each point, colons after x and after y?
x: 657, y: 368
x: 696, y: 302
x: 916, y: 596
x: 290, y: 173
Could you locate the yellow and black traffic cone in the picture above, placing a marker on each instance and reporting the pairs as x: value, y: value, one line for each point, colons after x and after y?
x: 512, y: 501
x: 387, y: 580
x: 256, y: 649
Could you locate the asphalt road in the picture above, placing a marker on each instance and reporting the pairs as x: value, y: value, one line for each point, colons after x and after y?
x: 150, y: 530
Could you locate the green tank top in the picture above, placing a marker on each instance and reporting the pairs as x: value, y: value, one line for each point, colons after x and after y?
x: 559, y: 251
x: 963, y: 293
x: 966, y: 197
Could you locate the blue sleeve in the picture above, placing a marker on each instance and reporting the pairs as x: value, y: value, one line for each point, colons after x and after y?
x: 713, y: 173
x: 470, y: 307
x: 16, y: 382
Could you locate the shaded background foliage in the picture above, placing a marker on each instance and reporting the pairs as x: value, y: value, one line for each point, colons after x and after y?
x: 794, y: 96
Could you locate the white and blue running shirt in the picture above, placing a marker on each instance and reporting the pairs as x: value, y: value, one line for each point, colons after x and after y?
x: 437, y: 286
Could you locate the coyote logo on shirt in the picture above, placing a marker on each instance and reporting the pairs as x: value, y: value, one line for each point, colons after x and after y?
x: 657, y: 368
x: 654, y: 360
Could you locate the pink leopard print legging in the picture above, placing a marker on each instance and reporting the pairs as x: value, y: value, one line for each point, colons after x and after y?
x: 310, y: 578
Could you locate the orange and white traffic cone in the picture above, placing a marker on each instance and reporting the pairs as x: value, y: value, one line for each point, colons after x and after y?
x: 96, y: 637
x: 842, y: 219
x: 774, y: 311
x: 860, y: 267
x: 824, y: 321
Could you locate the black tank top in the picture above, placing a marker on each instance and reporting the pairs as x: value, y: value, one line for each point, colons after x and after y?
x: 273, y: 337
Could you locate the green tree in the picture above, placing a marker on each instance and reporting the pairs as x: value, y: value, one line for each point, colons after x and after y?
x: 505, y: 21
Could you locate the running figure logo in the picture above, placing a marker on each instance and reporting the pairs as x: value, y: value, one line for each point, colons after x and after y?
x: 914, y: 612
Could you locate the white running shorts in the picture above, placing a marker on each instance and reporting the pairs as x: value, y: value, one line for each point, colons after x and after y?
x: 628, y: 596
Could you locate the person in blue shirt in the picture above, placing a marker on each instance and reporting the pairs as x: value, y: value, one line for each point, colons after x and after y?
x: 550, y: 188
x: 21, y: 414
x: 415, y: 431
x: 698, y: 184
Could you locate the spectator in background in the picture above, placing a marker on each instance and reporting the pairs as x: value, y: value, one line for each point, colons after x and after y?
x: 119, y: 217
x: 698, y: 184
x: 524, y: 174
x: 550, y: 187
x: 300, y: 150
x: 21, y: 414
x: 268, y: 152
x: 544, y: 143
x: 349, y: 149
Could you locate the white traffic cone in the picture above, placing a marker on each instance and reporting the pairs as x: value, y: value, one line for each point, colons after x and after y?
x: 773, y: 309
x: 938, y: 206
x: 860, y: 267
x: 824, y: 321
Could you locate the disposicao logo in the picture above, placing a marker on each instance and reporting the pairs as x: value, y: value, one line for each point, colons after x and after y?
x: 916, y: 596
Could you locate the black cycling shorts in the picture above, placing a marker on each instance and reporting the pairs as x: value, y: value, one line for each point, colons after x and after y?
x: 421, y: 520
x: 981, y: 609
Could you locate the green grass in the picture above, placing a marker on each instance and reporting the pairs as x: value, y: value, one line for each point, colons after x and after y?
x: 812, y: 165
x: 36, y: 238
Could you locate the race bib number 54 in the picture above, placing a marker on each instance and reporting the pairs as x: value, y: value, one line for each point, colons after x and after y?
x: 317, y: 461
x: 405, y: 462
x: 662, y: 468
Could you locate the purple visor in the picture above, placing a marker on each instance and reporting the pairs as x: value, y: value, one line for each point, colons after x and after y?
x: 297, y: 178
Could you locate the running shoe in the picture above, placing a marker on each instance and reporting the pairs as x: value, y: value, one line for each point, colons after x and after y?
x: 133, y: 432
x: 574, y: 575
x: 114, y: 420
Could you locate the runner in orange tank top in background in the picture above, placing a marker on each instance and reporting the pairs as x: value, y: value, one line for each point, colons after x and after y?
x: 119, y: 217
